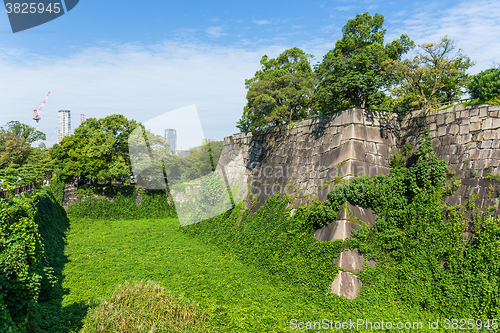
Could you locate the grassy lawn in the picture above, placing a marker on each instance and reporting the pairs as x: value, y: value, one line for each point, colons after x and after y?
x: 102, y: 254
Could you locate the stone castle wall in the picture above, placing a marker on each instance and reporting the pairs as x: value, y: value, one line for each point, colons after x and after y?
x: 305, y: 161
x: 468, y: 138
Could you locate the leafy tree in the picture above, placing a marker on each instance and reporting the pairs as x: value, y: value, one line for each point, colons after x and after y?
x: 280, y: 92
x: 13, y: 149
x: 485, y: 85
x: 430, y: 77
x: 98, y: 149
x: 23, y: 131
x: 352, y: 73
x: 15, y: 141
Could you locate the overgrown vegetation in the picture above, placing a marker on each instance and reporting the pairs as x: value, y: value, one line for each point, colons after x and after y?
x: 427, y: 265
x: 31, y: 233
x: 145, y: 307
x: 123, y: 205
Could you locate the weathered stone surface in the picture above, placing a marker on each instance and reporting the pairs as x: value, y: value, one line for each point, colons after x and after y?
x: 454, y: 129
x: 475, y: 126
x: 487, y: 124
x: 346, y: 284
x: 486, y: 144
x: 350, y: 260
x: 440, y: 119
x: 355, y: 213
x: 450, y: 117
x: 321, y: 149
x: 341, y: 229
x: 483, y: 112
x: 489, y: 135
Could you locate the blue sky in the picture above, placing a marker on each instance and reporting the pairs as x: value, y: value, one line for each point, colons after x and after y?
x: 144, y: 58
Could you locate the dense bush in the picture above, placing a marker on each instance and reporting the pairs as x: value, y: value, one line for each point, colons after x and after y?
x: 485, y: 85
x: 145, y: 307
x: 57, y: 187
x: 31, y: 225
x: 154, y: 204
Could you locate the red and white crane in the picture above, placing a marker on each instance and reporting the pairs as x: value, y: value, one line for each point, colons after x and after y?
x: 36, y: 113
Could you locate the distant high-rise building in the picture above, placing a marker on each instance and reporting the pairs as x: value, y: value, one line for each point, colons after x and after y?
x: 171, y: 137
x: 63, y: 124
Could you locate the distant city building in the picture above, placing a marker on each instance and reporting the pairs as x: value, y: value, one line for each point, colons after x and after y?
x: 63, y: 124
x: 171, y: 137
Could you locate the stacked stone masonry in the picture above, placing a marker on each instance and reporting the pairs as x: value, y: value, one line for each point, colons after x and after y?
x: 305, y: 161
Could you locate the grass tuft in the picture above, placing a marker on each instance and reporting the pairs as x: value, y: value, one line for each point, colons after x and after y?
x: 145, y: 307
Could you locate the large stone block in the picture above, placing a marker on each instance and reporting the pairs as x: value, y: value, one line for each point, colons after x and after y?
x: 440, y: 119
x: 350, y: 260
x: 486, y: 144
x: 370, y: 147
x: 487, y: 124
x: 454, y: 129
x: 349, y: 150
x: 489, y: 135
x: 476, y: 126
x: 483, y: 112
x: 340, y: 229
x: 356, y: 213
x: 366, y: 133
x: 450, y: 117
x: 358, y: 168
x: 346, y: 284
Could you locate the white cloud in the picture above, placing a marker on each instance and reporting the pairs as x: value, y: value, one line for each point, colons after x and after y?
x: 330, y: 28
x: 261, y: 22
x: 215, y: 32
x: 343, y: 8
x: 474, y: 26
x: 138, y: 81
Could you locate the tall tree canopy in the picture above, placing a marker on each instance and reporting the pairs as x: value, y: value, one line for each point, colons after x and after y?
x: 280, y: 92
x: 430, y: 77
x: 98, y: 149
x: 485, y: 85
x: 15, y: 142
x: 23, y: 131
x: 352, y: 73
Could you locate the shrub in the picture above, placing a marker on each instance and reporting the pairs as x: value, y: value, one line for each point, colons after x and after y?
x: 154, y: 204
x: 25, y: 266
x: 486, y: 85
x: 145, y: 307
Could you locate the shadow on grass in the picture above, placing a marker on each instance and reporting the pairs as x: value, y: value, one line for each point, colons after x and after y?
x: 49, y: 314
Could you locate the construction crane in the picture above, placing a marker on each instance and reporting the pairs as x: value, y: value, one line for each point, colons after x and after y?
x: 36, y: 113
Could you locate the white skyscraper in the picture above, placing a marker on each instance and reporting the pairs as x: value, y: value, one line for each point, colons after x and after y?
x: 63, y: 124
x: 171, y: 137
